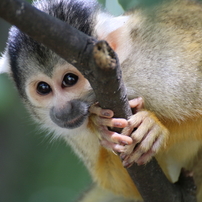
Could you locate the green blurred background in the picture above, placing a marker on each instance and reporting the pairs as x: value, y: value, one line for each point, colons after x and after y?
x: 32, y: 167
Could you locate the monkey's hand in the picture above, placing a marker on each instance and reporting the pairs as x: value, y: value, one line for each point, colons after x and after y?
x: 102, y: 119
x: 149, y: 135
x: 142, y: 137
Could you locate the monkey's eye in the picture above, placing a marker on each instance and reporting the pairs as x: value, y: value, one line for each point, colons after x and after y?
x: 43, y: 88
x: 69, y: 80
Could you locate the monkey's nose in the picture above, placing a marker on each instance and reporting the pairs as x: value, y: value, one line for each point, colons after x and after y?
x: 72, y: 115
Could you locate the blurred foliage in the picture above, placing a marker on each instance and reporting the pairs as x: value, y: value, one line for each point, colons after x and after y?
x: 34, y: 169
x: 102, y: 2
x: 128, y: 4
x: 112, y: 6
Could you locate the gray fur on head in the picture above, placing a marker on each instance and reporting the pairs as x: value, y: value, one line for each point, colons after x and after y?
x: 27, y: 57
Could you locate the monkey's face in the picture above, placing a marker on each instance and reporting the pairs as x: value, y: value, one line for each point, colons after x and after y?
x: 55, y: 92
x: 61, y: 98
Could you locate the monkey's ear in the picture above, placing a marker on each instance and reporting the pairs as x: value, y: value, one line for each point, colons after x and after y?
x: 111, y: 29
x: 4, y: 63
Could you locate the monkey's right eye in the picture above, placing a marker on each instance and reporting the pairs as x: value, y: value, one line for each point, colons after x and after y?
x: 43, y: 88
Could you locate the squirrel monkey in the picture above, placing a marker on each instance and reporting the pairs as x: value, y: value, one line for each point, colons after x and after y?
x: 160, y: 51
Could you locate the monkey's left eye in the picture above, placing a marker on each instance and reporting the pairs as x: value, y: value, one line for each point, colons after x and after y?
x: 69, y: 80
x: 43, y: 88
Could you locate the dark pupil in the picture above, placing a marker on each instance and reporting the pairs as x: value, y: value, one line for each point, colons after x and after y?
x: 43, y: 88
x: 69, y: 80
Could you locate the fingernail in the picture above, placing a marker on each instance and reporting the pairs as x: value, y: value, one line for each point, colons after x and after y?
x: 122, y: 157
x: 107, y: 114
x: 118, y: 125
x: 126, y: 164
x: 123, y: 143
x: 114, y: 152
x: 140, y: 163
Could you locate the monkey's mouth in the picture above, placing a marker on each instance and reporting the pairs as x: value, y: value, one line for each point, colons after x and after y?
x: 75, y: 122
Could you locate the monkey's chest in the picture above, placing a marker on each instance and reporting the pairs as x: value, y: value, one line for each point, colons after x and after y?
x: 110, y: 174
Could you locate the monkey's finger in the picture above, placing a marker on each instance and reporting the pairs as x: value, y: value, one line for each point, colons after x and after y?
x: 142, y: 131
x: 139, y: 120
x: 145, y: 157
x: 128, y: 151
x: 139, y: 147
x: 133, y: 123
x: 112, y: 146
x: 138, y: 155
x: 139, y: 158
x: 114, y: 137
x: 136, y: 103
x: 121, y: 139
x: 107, y: 113
x: 146, y: 149
x: 114, y: 122
x: 153, y: 140
x: 129, y: 160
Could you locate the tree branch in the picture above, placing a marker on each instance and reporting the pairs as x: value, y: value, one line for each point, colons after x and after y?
x: 99, y: 64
